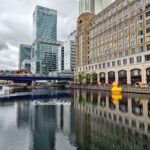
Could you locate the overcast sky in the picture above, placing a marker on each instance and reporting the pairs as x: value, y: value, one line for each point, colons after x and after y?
x: 16, y: 25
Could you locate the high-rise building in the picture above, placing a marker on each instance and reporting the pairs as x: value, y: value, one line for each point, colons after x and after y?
x: 60, y: 58
x: 45, y: 23
x: 45, y: 47
x: 24, y: 53
x: 46, y: 56
x: 86, y: 6
x: 119, y: 43
x: 70, y: 52
x: 82, y: 51
x: 93, y: 6
x: 99, y: 5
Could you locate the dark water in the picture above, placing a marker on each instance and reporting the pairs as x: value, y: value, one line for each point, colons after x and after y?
x: 93, y: 121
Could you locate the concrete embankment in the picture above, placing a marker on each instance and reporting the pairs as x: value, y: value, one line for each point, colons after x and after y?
x: 128, y: 89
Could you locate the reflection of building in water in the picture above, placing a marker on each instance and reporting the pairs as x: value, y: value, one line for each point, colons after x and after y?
x: 125, y: 125
x: 49, y: 125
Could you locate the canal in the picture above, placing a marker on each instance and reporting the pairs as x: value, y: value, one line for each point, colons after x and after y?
x: 81, y: 120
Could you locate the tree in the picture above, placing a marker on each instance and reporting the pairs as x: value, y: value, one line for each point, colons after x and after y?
x: 81, y: 77
x: 88, y: 78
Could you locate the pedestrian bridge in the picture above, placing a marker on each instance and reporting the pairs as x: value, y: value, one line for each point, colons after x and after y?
x: 33, y: 78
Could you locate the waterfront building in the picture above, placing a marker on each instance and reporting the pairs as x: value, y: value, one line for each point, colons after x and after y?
x: 86, y: 6
x: 60, y: 58
x: 83, y: 24
x: 70, y: 52
x: 24, y: 53
x: 119, y: 43
x: 99, y: 5
x: 46, y: 56
x: 45, y: 46
x: 7, y: 72
x: 45, y: 23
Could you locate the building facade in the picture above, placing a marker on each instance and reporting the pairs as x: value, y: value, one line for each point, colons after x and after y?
x: 46, y: 56
x: 119, y: 43
x: 45, y: 23
x: 70, y: 52
x: 83, y: 25
x: 24, y: 53
x: 60, y: 58
x: 99, y: 5
x: 86, y: 6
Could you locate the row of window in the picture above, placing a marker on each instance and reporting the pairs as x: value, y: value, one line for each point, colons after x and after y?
x: 125, y: 61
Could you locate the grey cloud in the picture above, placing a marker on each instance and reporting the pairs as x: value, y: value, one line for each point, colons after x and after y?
x: 16, y: 24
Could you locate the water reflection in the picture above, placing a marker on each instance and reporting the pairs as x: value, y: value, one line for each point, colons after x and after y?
x: 102, y: 123
x: 24, y: 126
x: 95, y: 121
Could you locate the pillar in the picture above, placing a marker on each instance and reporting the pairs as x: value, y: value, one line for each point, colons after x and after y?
x: 98, y: 82
x: 106, y: 77
x: 143, y: 75
x: 116, y: 76
x: 128, y: 77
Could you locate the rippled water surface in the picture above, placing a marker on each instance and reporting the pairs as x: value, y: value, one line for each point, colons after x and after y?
x: 94, y: 121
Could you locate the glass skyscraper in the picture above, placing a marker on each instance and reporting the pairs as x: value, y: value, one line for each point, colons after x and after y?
x: 46, y: 56
x: 24, y: 53
x: 45, y: 47
x: 45, y: 23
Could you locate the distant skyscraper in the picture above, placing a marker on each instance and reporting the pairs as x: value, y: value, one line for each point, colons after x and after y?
x: 24, y: 54
x: 45, y: 23
x: 46, y: 56
x: 86, y: 6
x: 70, y: 52
x: 93, y: 6
x: 99, y: 5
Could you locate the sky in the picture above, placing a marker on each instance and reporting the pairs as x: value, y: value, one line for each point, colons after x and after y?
x: 16, y: 25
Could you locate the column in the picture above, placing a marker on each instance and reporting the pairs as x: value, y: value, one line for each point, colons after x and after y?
x: 106, y: 77
x: 128, y: 77
x: 116, y: 77
x: 98, y: 82
x: 143, y: 75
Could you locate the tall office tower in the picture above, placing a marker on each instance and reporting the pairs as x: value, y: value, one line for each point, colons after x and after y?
x: 45, y: 23
x: 70, y: 52
x: 46, y: 56
x: 24, y: 54
x: 60, y: 58
x: 86, y: 6
x: 99, y: 5
x: 45, y: 47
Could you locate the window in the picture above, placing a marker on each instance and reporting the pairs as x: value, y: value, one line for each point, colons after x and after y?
x: 104, y: 65
x: 119, y: 62
x: 140, y: 41
x: 139, y: 59
x: 148, y: 38
x: 126, y: 52
x: 140, y: 49
x: 108, y: 64
x: 126, y: 45
x: 124, y: 61
x: 131, y: 60
x: 148, y: 47
x: 139, y: 18
x: 120, y: 54
x: 133, y: 51
x: 147, y: 57
x: 140, y: 25
x: 140, y: 32
x: 148, y: 30
x: 147, y: 22
x: 113, y: 63
x: 132, y: 43
x: 148, y: 14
